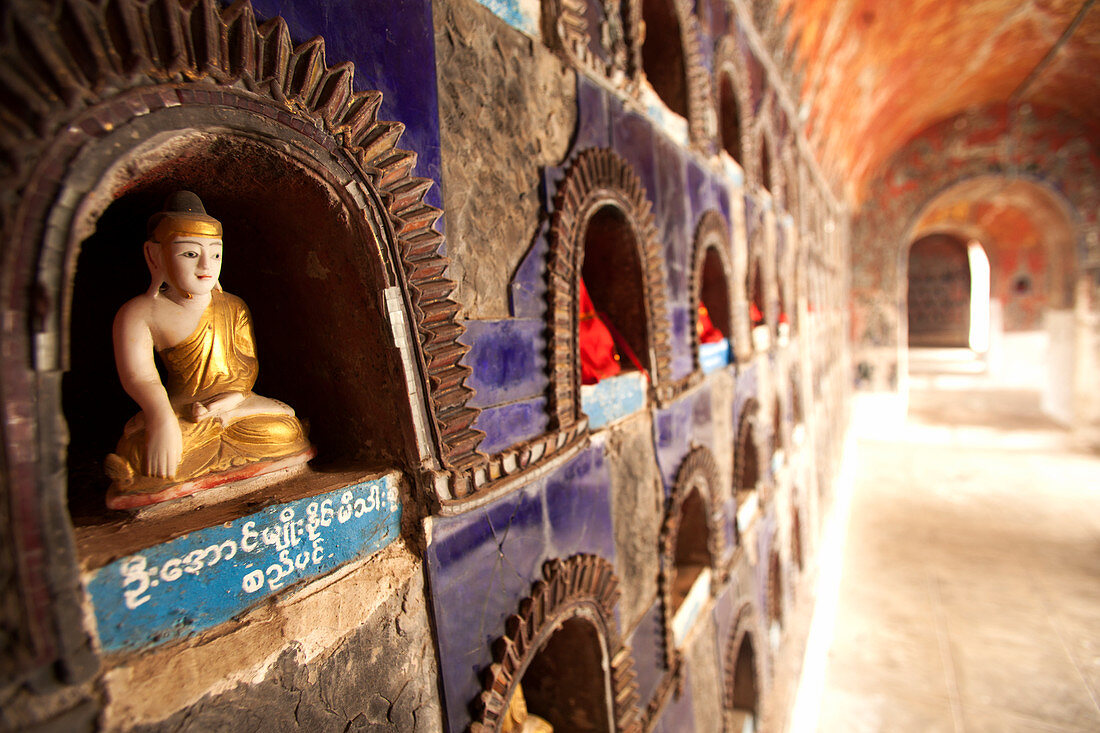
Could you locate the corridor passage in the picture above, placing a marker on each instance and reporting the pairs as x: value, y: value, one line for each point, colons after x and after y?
x: 969, y: 598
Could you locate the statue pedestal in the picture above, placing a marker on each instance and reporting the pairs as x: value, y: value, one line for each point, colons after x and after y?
x: 138, y: 499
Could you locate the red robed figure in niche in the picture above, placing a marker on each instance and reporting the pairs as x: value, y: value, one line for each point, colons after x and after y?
x: 599, y: 357
x: 755, y: 314
x: 708, y: 332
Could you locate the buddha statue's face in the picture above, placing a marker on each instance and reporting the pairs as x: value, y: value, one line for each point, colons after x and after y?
x: 193, y: 263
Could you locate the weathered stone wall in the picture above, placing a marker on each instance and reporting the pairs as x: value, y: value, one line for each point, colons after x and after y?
x: 507, y: 108
x: 380, y: 676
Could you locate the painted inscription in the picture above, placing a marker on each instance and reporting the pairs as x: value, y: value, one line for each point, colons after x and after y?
x: 201, y: 579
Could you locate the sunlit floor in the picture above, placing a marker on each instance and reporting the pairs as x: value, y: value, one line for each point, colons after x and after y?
x: 969, y: 596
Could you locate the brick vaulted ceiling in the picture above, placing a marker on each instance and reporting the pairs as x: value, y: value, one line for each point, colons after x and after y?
x: 878, y: 72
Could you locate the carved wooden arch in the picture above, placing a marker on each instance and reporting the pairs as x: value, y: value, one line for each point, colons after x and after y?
x: 585, y: 587
x: 712, y: 234
x: 566, y: 29
x: 697, y: 472
x: 71, y: 71
x: 746, y: 440
x: 774, y: 590
x: 701, y: 119
x: 745, y: 627
x: 730, y: 61
x: 599, y: 178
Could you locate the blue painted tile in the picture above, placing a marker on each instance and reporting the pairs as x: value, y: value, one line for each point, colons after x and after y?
x: 714, y: 356
x: 613, y: 398
x: 682, y: 318
x: 508, y: 360
x: 678, y: 716
x: 528, y: 287
x: 672, y: 434
x: 508, y: 425
x: 578, y: 507
x: 593, y: 116
x: 647, y: 643
x: 393, y: 49
x: 199, y: 580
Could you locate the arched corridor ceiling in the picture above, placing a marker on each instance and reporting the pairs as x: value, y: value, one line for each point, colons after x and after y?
x: 877, y: 73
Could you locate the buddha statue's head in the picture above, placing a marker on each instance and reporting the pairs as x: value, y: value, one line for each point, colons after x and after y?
x: 184, y: 247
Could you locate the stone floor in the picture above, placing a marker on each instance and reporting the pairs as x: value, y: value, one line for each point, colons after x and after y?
x: 969, y: 594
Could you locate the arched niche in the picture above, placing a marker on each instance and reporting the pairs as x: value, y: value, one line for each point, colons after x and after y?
x: 743, y: 688
x: 774, y: 590
x: 603, y: 221
x: 765, y: 172
x: 939, y: 292
x: 214, y: 86
x: 299, y: 253
x: 672, y: 61
x: 746, y: 454
x: 796, y: 534
x: 712, y: 281
x: 692, y: 545
x: 734, y: 97
x: 758, y: 301
x: 778, y: 433
x: 563, y: 645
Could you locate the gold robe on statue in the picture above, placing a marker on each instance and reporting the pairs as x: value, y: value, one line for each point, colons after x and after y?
x: 219, y: 357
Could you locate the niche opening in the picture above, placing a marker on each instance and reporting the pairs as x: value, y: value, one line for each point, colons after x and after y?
x: 663, y: 54
x: 565, y: 683
x: 729, y: 118
x: 298, y: 257
x: 691, y: 556
x: 744, y: 696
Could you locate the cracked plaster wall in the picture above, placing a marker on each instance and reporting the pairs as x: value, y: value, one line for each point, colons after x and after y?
x: 507, y: 108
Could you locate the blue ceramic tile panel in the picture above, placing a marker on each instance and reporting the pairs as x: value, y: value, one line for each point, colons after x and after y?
x: 682, y: 319
x: 482, y: 563
x: 523, y: 16
x: 507, y: 359
x: 701, y: 413
x: 724, y: 204
x: 679, y: 716
x: 393, y: 48
x: 725, y: 608
x: 474, y: 589
x: 199, y: 580
x: 714, y: 356
x: 528, y: 289
x: 613, y: 398
x: 700, y: 191
x: 647, y: 643
x: 508, y: 425
x: 578, y: 507
x: 674, y: 227
x: 672, y: 429
x: 750, y: 219
x: 632, y: 138
x: 593, y: 116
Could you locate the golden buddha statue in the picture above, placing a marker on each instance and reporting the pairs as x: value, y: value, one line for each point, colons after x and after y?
x: 518, y: 720
x: 202, y: 425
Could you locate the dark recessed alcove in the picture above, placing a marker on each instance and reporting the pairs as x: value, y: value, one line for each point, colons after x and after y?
x: 729, y: 114
x: 663, y: 54
x: 746, y: 459
x: 302, y: 264
x: 565, y: 683
x: 765, y: 166
x: 756, y: 291
x: 714, y: 292
x: 744, y: 698
x: 691, y: 555
x: 612, y: 272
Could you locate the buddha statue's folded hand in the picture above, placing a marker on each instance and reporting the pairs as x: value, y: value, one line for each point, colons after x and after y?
x: 216, y: 407
x: 164, y: 449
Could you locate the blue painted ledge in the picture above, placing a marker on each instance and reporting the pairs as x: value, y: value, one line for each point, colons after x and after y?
x: 613, y: 398
x: 714, y: 356
x: 197, y: 581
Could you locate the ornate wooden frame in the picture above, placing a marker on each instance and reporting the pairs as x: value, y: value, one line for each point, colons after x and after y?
x: 565, y: 28
x: 729, y: 61
x: 583, y: 586
x: 744, y: 625
x: 746, y: 439
x: 72, y: 71
x: 698, y: 471
x: 700, y: 108
x: 599, y: 178
x: 711, y: 233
